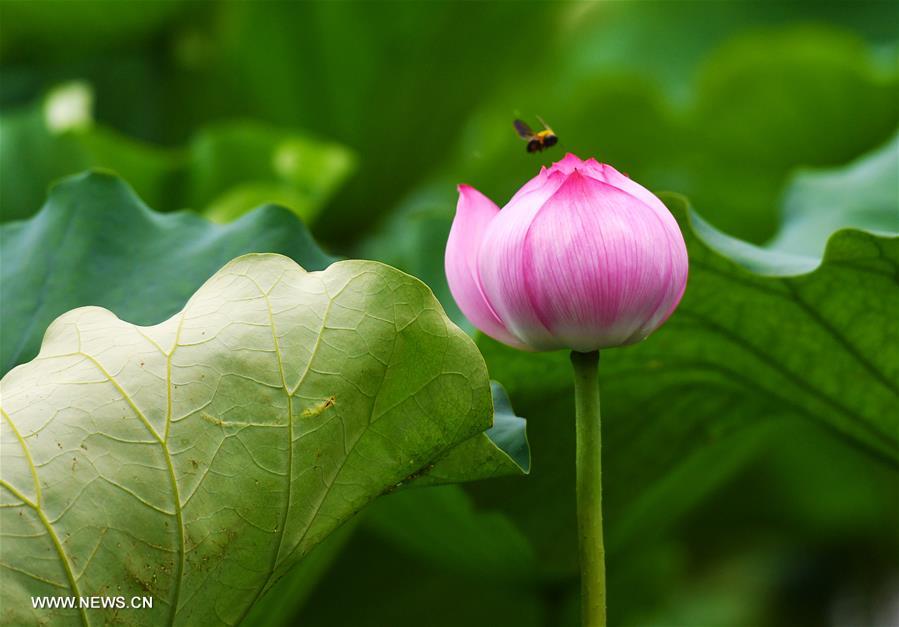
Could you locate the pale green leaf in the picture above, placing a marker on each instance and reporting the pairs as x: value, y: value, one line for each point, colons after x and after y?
x: 197, y: 460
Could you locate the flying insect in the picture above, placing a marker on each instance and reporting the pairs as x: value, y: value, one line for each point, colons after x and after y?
x: 537, y: 141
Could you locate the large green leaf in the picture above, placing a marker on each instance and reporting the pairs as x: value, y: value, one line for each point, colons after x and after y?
x: 96, y: 243
x: 196, y: 460
x: 485, y: 544
x: 822, y: 345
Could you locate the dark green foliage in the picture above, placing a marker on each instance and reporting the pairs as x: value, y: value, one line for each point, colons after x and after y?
x: 96, y: 243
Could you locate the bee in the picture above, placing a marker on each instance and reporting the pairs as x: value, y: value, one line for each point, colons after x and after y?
x: 539, y: 141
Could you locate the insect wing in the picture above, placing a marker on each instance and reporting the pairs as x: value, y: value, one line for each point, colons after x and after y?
x: 523, y: 130
x: 545, y: 125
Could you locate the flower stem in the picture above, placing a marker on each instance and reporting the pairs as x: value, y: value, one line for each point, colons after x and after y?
x: 589, y: 489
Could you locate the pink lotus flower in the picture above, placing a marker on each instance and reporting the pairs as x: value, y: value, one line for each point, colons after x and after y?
x: 582, y: 258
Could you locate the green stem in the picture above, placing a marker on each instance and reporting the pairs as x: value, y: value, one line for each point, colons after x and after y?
x: 589, y: 489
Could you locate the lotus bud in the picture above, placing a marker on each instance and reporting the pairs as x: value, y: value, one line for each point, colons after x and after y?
x: 580, y: 258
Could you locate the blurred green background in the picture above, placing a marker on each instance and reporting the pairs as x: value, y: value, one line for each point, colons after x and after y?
x: 362, y: 116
